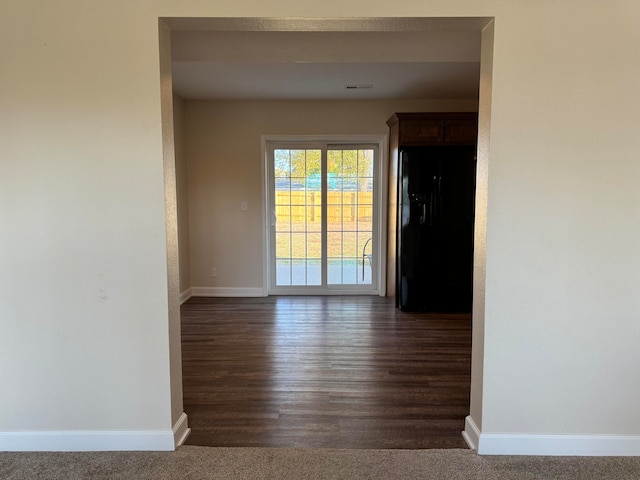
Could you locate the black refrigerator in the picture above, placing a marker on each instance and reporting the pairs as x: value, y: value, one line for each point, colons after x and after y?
x: 436, y: 199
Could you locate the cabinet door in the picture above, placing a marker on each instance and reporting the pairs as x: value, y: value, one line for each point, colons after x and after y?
x: 461, y: 130
x: 421, y: 131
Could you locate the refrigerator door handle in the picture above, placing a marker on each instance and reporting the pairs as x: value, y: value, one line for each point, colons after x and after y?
x: 439, y: 196
x: 433, y: 204
x: 431, y: 207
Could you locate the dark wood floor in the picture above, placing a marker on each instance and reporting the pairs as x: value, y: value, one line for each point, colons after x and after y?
x: 339, y: 372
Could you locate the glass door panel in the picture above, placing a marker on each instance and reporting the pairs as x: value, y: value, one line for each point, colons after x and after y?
x: 298, y: 206
x: 350, y: 214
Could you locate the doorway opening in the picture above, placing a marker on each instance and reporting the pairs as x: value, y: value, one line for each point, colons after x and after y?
x: 398, y: 26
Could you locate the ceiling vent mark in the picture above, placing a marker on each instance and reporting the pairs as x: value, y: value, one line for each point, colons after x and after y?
x: 358, y: 86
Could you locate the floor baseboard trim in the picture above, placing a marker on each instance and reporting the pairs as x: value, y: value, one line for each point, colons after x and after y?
x: 181, y: 430
x: 471, y: 433
x: 227, y: 292
x: 558, y: 445
x: 87, y: 441
x: 186, y: 295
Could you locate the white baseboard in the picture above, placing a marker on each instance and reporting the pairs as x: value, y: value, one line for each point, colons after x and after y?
x: 552, y: 445
x: 471, y: 433
x: 227, y: 292
x: 87, y: 441
x: 96, y: 441
x: 186, y: 295
x: 559, y: 445
x: 181, y: 430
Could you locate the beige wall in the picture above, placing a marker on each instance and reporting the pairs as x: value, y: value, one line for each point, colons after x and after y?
x: 562, y: 313
x: 171, y: 229
x: 225, y: 165
x: 83, y: 255
x: 182, y: 194
x: 480, y: 227
x: 83, y: 276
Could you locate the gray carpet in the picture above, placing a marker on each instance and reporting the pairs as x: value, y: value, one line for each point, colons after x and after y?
x: 283, y: 464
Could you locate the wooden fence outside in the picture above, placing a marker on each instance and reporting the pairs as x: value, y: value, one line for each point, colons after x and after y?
x: 303, y: 206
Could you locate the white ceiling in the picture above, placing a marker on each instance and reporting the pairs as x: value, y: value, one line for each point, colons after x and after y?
x: 318, y: 65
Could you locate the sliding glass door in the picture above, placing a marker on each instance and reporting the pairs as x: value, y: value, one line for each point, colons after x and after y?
x: 323, y: 229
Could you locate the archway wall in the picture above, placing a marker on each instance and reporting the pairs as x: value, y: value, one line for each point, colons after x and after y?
x: 83, y: 282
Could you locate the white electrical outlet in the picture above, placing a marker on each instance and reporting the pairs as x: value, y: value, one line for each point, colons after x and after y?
x: 214, y: 272
x: 244, y: 206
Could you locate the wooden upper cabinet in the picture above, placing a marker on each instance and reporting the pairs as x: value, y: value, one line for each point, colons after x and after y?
x: 436, y: 128
x: 418, y: 131
x: 461, y: 130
